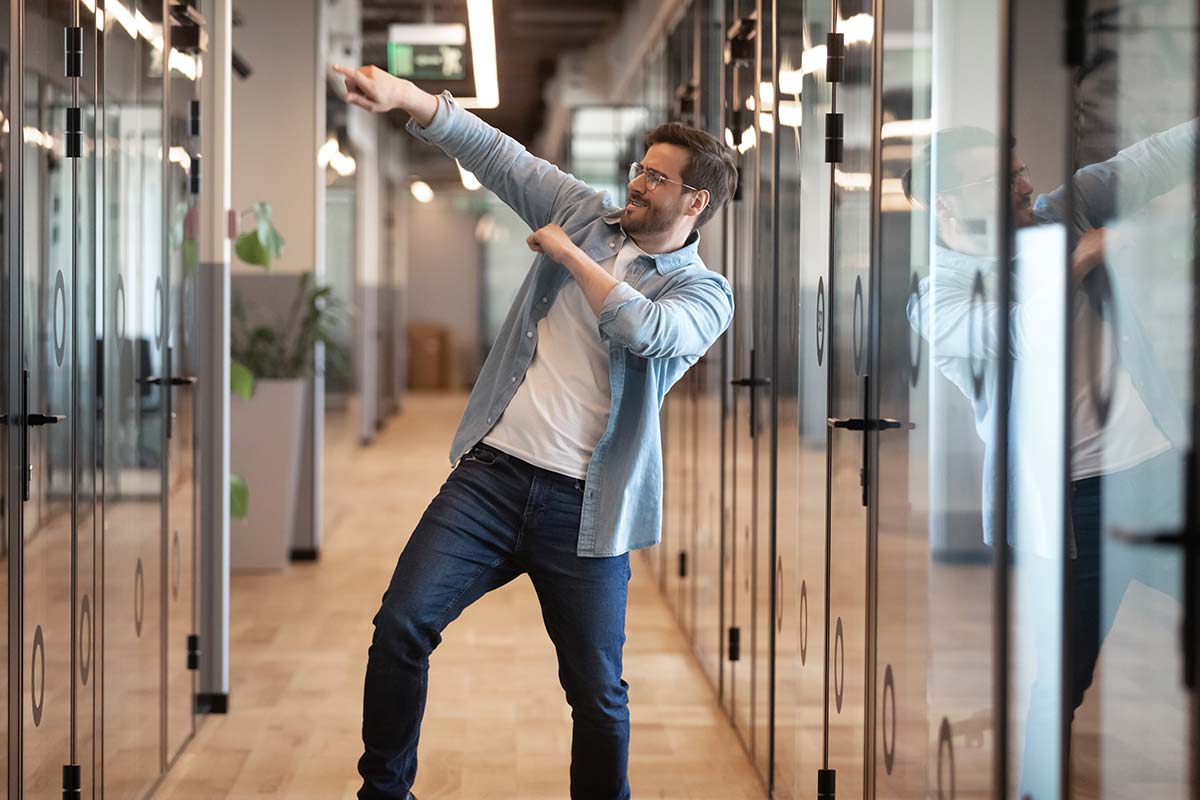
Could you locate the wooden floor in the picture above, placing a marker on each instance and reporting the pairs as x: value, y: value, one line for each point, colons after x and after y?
x: 496, y: 724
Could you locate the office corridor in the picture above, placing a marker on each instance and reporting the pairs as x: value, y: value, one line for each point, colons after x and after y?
x: 496, y: 726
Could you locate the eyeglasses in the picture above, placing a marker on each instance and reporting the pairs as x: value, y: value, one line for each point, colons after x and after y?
x: 653, y: 178
x: 1019, y: 174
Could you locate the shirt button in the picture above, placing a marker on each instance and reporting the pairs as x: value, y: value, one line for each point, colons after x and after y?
x: 528, y: 334
x: 489, y: 419
x: 512, y: 380
x: 613, y: 243
x: 543, y: 300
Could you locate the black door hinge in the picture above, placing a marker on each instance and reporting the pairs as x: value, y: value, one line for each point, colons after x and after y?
x: 1075, y: 46
x: 193, y: 652
x: 735, y: 644
x: 72, y: 782
x: 73, y: 52
x: 194, y: 118
x: 683, y: 563
x: 835, y: 57
x: 826, y: 784
x: 74, y: 132
x: 739, y: 47
x: 834, y: 142
x: 195, y: 174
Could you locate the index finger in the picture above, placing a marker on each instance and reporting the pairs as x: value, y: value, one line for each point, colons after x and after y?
x: 349, y: 73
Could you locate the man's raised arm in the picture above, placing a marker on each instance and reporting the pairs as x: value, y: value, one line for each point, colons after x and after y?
x: 536, y: 189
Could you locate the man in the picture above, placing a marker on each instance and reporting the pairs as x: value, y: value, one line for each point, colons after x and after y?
x: 1125, y: 449
x: 559, y: 460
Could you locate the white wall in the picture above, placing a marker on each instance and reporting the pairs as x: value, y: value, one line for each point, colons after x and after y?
x: 278, y: 117
x: 444, y: 273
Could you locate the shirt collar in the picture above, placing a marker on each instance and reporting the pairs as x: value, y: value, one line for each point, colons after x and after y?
x: 665, y: 262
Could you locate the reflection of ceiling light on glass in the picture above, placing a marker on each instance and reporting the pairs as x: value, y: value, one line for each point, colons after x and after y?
x: 37, y: 136
x: 791, y: 113
x: 749, y: 140
x: 729, y: 140
x: 812, y: 61
x: 180, y: 156
x: 327, y: 152
x: 123, y: 16
x: 182, y: 63
x: 859, y: 29
x: 469, y: 181
x: 852, y: 181
x: 144, y: 26
x: 422, y: 191
x: 791, y: 81
x: 330, y: 155
x: 766, y: 122
x: 482, y: 23
x: 906, y: 128
x: 343, y: 164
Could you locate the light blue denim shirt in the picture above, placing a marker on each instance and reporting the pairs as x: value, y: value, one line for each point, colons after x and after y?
x: 1104, y: 193
x: 658, y: 322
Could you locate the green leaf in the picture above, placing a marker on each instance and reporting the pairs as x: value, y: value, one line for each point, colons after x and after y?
x: 239, y: 497
x: 259, y: 246
x: 241, y: 380
x: 250, y: 250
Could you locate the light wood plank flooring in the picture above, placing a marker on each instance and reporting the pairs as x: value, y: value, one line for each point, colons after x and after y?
x: 496, y: 725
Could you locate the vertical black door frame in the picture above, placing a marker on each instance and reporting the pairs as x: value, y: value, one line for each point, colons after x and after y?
x: 168, y: 371
x: 14, y: 214
x: 873, y: 314
x: 773, y: 372
x: 1000, y: 562
x: 1191, y: 532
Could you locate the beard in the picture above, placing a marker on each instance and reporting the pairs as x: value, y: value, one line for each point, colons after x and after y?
x: 649, y: 219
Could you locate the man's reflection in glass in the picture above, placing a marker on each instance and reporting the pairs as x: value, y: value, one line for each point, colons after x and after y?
x: 1124, y: 464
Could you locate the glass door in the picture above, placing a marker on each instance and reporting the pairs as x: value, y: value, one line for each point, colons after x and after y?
x: 134, y: 403
x: 182, y: 366
x: 802, y: 97
x: 849, y: 309
x: 746, y: 379
x: 45, y: 371
x: 1128, y: 212
x: 10, y: 399
x: 932, y: 720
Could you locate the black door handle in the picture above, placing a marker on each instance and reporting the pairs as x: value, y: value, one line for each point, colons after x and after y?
x: 174, y: 380
x: 856, y: 424
x: 1158, y: 538
x: 750, y: 382
x: 35, y: 420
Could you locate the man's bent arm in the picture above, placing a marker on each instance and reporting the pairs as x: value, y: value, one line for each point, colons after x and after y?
x: 536, y: 189
x: 1127, y: 181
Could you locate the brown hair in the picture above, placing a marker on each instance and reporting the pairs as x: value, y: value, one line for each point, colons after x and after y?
x: 711, y: 165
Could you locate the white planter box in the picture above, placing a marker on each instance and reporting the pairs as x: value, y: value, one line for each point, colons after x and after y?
x: 265, y: 449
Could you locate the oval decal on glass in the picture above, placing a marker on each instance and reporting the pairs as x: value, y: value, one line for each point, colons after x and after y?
x: 37, y: 676
x: 820, y: 320
x: 139, y: 598
x: 59, y: 318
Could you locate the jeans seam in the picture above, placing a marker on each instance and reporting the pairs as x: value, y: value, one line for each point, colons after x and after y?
x: 441, y: 620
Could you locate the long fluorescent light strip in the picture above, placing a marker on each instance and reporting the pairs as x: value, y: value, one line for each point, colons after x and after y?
x: 482, y: 22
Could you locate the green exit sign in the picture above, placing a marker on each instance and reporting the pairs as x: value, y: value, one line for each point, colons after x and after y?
x: 428, y: 52
x: 427, y: 61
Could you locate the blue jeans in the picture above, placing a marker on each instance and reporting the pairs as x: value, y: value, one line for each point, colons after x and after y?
x: 1143, y: 498
x: 495, y: 518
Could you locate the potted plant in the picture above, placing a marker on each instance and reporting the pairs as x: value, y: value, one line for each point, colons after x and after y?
x: 271, y: 364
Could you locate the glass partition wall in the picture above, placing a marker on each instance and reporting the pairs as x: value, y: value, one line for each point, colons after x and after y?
x: 99, y: 174
x: 958, y: 545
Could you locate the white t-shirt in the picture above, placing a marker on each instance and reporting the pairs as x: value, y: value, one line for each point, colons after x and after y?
x: 1129, y: 435
x: 561, y: 408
